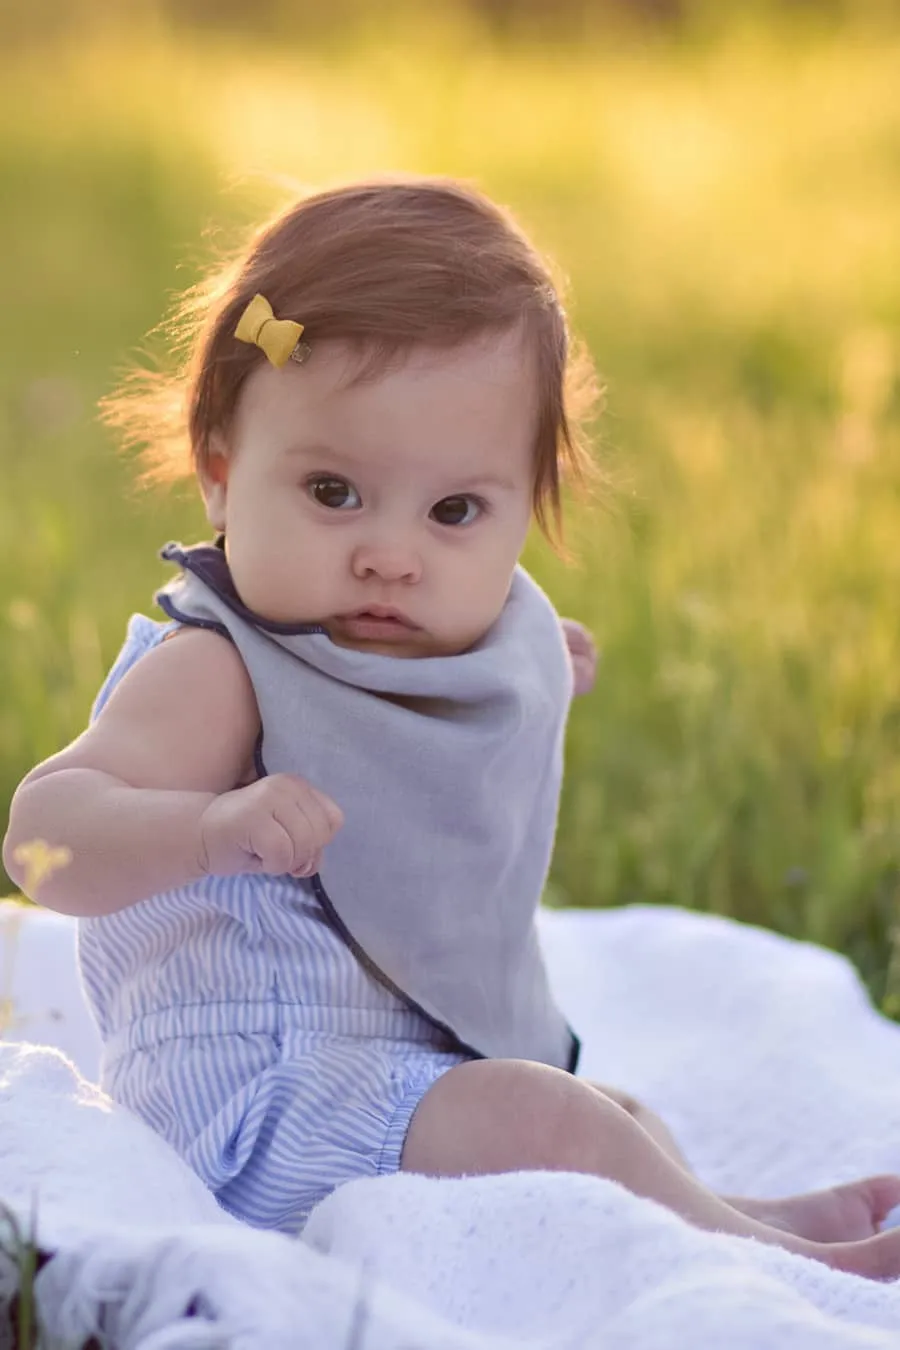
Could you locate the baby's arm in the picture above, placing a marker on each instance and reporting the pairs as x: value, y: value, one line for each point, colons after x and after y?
x: 126, y: 797
x: 583, y: 651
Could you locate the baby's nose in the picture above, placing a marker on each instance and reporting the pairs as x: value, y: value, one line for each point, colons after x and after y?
x: 388, y: 560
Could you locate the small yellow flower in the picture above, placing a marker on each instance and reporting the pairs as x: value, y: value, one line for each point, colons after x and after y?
x: 41, y: 860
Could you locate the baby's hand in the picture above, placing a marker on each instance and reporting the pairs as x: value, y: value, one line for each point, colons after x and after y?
x: 277, y: 824
x: 583, y: 652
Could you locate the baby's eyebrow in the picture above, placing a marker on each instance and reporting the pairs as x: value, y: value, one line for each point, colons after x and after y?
x: 317, y: 448
x: 462, y: 483
x: 491, y: 480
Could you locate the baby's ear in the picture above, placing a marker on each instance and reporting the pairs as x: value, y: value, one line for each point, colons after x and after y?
x: 213, y: 477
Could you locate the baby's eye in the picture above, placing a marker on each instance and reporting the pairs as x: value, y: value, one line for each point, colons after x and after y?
x: 452, y: 510
x: 332, y: 492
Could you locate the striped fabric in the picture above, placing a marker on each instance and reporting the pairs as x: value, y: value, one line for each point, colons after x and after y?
x: 240, y: 1027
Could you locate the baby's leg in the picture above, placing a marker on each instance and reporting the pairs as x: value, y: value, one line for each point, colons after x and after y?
x: 839, y: 1214
x: 646, y: 1118
x: 492, y: 1116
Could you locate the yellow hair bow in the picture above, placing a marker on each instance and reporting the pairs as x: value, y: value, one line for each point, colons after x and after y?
x: 278, y: 338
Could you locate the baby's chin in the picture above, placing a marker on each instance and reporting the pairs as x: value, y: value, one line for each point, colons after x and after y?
x: 418, y: 647
x: 403, y: 650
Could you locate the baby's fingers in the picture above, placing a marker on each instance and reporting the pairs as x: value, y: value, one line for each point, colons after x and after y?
x: 308, y: 826
x: 271, y: 842
x: 331, y: 817
x: 579, y: 639
x: 311, y: 867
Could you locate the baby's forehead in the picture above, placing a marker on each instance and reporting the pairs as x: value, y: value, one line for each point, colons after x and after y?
x: 505, y: 357
x: 467, y: 404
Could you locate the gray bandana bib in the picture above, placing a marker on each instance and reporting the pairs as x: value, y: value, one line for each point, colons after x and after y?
x: 448, y: 771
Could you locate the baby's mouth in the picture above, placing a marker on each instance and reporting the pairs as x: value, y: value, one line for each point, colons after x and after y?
x: 383, y: 625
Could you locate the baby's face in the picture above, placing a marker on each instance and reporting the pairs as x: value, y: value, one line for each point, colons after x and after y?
x: 411, y: 492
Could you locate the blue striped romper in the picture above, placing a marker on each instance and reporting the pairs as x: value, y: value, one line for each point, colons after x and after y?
x: 309, y: 1082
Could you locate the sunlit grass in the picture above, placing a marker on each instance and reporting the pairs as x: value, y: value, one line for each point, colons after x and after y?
x: 729, y: 220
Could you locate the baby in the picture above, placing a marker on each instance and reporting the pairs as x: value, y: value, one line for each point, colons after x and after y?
x: 312, y: 817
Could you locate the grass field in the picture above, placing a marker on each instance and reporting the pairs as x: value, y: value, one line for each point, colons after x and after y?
x: 729, y: 219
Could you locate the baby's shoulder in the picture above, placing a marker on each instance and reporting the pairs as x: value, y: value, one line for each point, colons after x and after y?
x: 183, y: 714
x: 201, y: 660
x: 199, y: 647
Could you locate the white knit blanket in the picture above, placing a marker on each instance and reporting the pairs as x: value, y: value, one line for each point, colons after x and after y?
x: 763, y: 1055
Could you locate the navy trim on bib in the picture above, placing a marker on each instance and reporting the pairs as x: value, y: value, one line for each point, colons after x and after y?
x: 208, y: 563
x: 368, y: 965
x: 576, y: 1052
x: 167, y: 607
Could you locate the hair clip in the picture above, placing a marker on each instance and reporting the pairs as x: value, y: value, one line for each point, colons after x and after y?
x: 278, y: 338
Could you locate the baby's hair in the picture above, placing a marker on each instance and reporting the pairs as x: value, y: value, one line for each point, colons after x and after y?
x: 385, y: 266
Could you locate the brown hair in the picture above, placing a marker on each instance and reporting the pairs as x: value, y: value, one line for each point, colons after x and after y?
x: 384, y: 265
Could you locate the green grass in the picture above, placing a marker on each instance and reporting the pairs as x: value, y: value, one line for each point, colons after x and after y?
x: 20, y: 1260
x: 728, y: 217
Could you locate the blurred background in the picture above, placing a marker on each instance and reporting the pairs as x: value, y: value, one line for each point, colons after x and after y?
x: 720, y: 183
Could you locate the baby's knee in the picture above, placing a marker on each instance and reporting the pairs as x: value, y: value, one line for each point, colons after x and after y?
x: 624, y: 1099
x: 502, y: 1115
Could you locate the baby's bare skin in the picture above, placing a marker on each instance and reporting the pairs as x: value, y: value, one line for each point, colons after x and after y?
x: 838, y: 1214
x: 492, y: 1116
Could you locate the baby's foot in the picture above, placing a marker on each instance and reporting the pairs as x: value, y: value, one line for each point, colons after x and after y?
x: 840, y: 1214
x: 876, y: 1258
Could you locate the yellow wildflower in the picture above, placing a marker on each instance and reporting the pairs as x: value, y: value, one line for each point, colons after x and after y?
x: 41, y: 860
